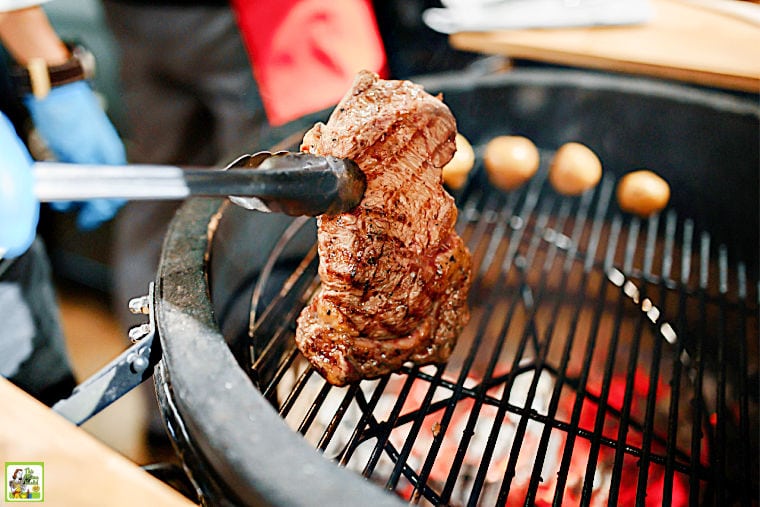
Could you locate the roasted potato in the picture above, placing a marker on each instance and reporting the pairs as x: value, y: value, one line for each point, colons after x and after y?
x: 510, y: 161
x: 642, y: 192
x: 455, y: 172
x: 574, y: 169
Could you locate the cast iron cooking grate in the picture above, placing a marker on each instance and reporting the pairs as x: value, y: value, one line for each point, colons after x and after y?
x: 609, y: 359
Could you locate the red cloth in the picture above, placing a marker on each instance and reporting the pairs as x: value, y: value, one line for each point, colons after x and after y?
x: 305, y: 53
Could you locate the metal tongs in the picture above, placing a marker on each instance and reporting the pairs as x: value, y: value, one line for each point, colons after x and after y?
x: 291, y: 183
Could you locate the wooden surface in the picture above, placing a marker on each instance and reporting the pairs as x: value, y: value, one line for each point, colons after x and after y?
x: 698, y: 42
x: 79, y: 470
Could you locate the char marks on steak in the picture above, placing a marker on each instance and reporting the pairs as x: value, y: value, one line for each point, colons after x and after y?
x: 394, y: 273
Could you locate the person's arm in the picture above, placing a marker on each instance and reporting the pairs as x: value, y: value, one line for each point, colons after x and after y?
x: 67, y: 115
x: 28, y: 35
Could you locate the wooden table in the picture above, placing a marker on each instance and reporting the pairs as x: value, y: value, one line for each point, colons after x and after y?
x: 706, y: 42
x: 78, y: 469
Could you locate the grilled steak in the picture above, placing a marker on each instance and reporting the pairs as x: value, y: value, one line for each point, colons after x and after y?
x: 395, y: 275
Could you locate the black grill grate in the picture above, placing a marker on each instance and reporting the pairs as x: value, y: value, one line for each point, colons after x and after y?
x: 608, y: 359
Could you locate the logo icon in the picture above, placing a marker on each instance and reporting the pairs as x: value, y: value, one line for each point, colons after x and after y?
x: 24, y: 481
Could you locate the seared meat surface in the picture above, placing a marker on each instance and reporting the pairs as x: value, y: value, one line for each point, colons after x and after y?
x: 394, y: 273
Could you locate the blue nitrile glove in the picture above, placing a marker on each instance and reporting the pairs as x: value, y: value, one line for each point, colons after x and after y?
x: 19, y: 210
x: 76, y: 130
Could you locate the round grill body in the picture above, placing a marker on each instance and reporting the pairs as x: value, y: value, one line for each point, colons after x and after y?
x: 608, y: 358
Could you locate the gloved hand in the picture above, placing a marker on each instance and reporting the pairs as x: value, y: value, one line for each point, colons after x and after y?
x: 76, y: 130
x: 19, y: 210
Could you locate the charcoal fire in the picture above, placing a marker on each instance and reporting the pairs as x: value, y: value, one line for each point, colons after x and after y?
x: 497, y: 452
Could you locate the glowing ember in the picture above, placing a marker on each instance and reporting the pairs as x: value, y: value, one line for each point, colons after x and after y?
x: 433, y: 428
